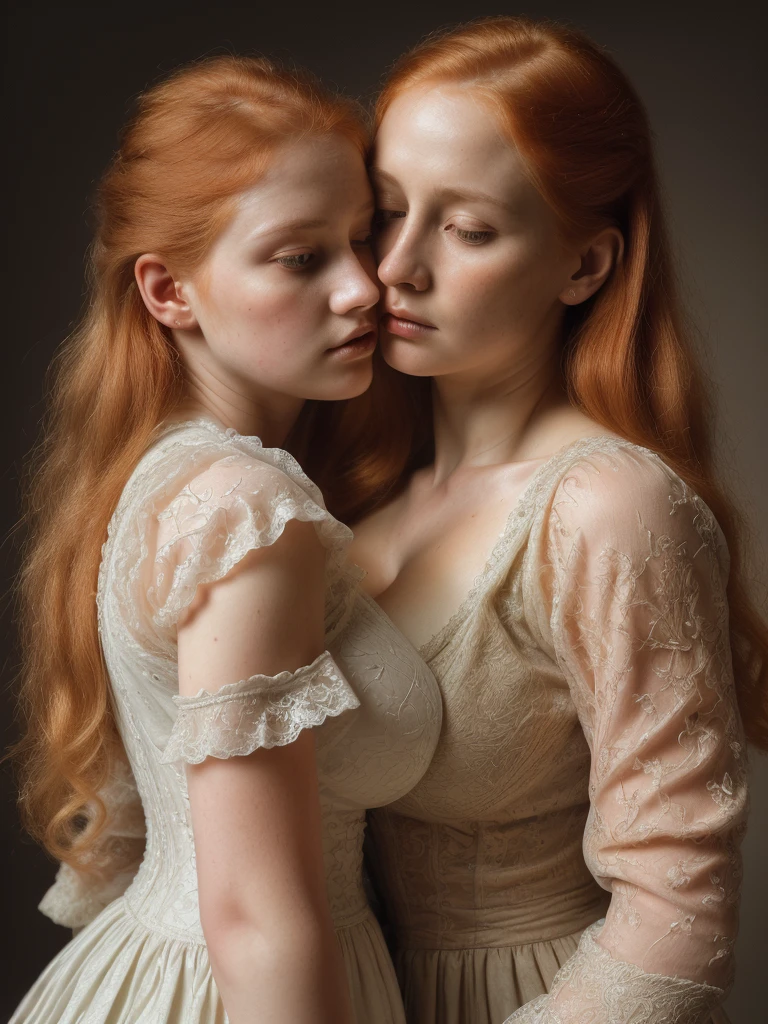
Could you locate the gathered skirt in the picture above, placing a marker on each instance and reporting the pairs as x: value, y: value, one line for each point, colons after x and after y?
x: 482, y: 985
x: 118, y: 970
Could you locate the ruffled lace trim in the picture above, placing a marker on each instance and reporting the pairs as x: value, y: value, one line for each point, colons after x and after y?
x: 181, y: 450
x: 592, y: 986
x: 77, y: 897
x: 262, y: 711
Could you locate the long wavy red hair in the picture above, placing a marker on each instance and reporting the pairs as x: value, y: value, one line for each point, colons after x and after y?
x: 197, y: 140
x: 628, y: 359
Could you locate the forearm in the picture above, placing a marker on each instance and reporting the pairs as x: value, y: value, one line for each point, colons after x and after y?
x: 291, y: 976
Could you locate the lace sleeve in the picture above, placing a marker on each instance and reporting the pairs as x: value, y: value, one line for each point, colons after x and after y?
x: 637, y: 568
x: 78, y: 896
x: 263, y: 711
x: 198, y: 503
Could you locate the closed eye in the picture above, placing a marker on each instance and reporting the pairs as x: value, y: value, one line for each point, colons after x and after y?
x: 383, y: 216
x: 296, y: 261
x: 473, y: 237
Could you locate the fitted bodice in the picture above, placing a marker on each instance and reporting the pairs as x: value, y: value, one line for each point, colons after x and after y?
x: 367, y: 755
x: 503, y: 806
x: 591, y: 761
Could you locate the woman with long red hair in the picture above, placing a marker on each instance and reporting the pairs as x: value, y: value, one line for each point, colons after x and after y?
x: 550, y: 534
x: 189, y: 617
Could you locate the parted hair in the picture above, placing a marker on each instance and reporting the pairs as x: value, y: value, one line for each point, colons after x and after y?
x: 628, y: 357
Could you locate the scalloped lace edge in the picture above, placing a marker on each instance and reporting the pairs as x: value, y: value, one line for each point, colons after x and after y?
x: 243, y: 717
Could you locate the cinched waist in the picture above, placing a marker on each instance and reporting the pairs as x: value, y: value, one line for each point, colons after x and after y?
x: 511, y: 924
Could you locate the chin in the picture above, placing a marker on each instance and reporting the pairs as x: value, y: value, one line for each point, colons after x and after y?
x: 408, y: 357
x: 354, y: 382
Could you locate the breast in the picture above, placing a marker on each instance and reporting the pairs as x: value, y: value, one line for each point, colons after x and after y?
x: 375, y: 754
x: 511, y: 744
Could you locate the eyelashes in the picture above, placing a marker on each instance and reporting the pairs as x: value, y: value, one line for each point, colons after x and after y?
x: 297, y: 261
x: 466, y: 235
x: 304, y: 260
x: 473, y: 237
x: 384, y: 216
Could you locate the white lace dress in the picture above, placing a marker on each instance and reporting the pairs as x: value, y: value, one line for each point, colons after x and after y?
x: 203, y: 497
x: 571, y: 853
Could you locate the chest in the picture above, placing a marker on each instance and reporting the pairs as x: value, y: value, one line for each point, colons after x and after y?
x: 423, y: 553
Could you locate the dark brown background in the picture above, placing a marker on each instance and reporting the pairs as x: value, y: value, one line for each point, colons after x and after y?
x: 70, y: 74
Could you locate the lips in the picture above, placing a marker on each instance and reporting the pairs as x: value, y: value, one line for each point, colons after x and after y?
x: 403, y: 324
x: 359, y: 332
x: 406, y: 316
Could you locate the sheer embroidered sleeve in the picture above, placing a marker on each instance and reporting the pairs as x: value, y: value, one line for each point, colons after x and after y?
x: 209, y: 498
x: 636, y: 573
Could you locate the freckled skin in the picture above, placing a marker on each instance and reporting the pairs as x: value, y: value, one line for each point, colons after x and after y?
x: 263, y: 326
x: 495, y: 303
x: 468, y: 246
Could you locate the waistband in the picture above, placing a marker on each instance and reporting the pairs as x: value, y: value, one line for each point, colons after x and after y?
x: 512, y: 924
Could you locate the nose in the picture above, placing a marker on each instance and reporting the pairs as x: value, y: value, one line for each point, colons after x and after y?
x: 402, y: 261
x: 357, y: 287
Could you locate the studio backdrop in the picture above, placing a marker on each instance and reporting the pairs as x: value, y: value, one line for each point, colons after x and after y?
x: 71, y: 73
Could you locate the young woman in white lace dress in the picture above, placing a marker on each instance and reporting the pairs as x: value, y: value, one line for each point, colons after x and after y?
x: 214, y: 635
x: 554, y: 543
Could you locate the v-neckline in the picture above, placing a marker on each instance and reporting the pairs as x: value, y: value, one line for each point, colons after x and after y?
x: 518, y: 514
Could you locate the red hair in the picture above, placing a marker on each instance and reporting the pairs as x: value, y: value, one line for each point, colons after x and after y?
x: 198, y: 140
x: 628, y: 360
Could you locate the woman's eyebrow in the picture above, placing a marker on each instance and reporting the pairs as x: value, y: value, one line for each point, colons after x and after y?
x: 473, y: 195
x: 467, y: 193
x: 303, y: 224
x: 384, y: 178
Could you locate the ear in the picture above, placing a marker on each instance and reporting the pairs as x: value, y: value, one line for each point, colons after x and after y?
x: 162, y: 294
x: 602, y: 254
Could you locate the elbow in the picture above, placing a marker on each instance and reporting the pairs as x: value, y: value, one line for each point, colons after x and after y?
x: 240, y: 943
x: 236, y: 949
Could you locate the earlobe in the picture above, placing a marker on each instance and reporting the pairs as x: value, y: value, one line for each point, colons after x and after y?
x: 603, y: 253
x: 162, y: 294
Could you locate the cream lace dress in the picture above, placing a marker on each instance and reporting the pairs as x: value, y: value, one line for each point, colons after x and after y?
x: 203, y: 498
x: 591, y: 765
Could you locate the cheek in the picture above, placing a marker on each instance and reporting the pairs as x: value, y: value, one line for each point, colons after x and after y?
x: 505, y: 288
x: 250, y: 309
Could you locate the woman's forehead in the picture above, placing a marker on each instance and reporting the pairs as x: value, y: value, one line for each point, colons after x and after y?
x: 449, y: 139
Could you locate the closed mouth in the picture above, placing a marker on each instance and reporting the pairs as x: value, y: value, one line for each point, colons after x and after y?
x: 359, y: 334
x: 407, y: 318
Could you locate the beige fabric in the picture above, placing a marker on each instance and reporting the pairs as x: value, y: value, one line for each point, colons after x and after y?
x: 208, y: 497
x: 591, y: 749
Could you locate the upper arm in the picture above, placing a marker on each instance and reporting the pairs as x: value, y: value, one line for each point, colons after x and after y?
x: 640, y: 628
x: 256, y: 818
x: 239, y: 575
x: 265, y: 616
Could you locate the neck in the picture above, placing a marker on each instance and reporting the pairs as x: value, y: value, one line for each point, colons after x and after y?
x: 486, y: 421
x: 249, y: 410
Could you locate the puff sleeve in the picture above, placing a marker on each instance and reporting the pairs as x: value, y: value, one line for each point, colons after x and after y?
x: 228, y: 498
x: 636, y: 574
x: 209, y: 499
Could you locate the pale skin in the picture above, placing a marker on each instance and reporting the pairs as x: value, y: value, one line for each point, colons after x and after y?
x: 468, y: 249
x: 259, y: 328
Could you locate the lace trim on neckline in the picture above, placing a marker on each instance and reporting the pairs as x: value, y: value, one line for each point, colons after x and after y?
x: 518, y: 516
